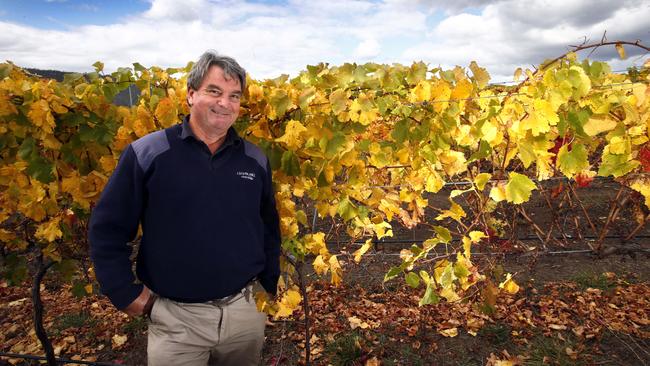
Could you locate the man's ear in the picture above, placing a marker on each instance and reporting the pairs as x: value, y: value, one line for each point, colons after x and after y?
x: 190, y: 96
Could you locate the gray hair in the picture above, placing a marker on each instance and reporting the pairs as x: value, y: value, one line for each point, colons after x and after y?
x: 211, y: 58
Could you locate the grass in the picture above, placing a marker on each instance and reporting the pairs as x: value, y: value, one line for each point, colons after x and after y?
x: 497, y: 334
x: 551, y: 351
x: 345, y: 350
x: 135, y: 325
x: 591, y: 280
x: 73, y: 320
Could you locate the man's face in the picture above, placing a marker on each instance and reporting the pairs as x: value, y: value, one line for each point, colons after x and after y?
x: 215, y: 106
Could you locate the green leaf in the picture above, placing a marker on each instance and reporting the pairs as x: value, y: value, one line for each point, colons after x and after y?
x: 40, y: 169
x: 392, y: 273
x: 447, y: 277
x: 430, y: 296
x: 290, y: 164
x: 443, y: 233
x: 280, y: 102
x: 66, y: 268
x: 306, y: 97
x: 334, y: 144
x: 483, y: 151
x: 15, y: 269
x: 616, y: 165
x: 99, y: 66
x: 26, y: 148
x: 574, y: 161
x: 400, y: 131
x: 460, y: 270
x: 346, y: 209
x: 138, y: 67
x: 519, y: 188
x: 412, y: 279
x: 78, y: 289
x: 5, y: 69
x: 338, y: 100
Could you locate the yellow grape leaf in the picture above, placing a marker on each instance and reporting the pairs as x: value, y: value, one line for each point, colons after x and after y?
x: 491, y: 133
x: 519, y: 188
x: 255, y: 93
x: 338, y: 100
x: 540, y: 118
x: 166, y: 112
x: 320, y: 267
x: 449, y: 293
x: 49, y: 231
x: 598, y: 124
x: 476, y: 236
x: 262, y: 301
x: 619, y: 145
x: 51, y: 252
x: 41, y: 116
x: 421, y: 92
x: 441, y: 93
x: 462, y: 90
x: 517, y: 74
x: 382, y: 229
x: 458, y: 192
x: 509, y: 285
x: 89, y: 288
x: 481, y: 180
x: 480, y: 74
x: 433, y: 182
x: 288, y: 304
x: 467, y: 247
x: 337, y: 272
x: 621, y: 51
x: 6, y: 107
x: 455, y: 212
x: 453, y: 162
x: 498, y: 192
x: 450, y: 333
x: 6, y: 235
x: 642, y: 186
x: 108, y: 163
x: 574, y: 161
x: 293, y: 135
x: 315, y: 243
x: 361, y: 251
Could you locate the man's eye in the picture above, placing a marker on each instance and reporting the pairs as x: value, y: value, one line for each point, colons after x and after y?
x: 213, y: 92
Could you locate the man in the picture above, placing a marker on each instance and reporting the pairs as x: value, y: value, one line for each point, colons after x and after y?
x: 205, y: 201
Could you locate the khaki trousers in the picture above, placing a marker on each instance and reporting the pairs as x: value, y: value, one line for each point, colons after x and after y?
x: 211, y: 333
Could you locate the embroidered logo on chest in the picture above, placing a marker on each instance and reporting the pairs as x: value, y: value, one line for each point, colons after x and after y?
x: 246, y: 175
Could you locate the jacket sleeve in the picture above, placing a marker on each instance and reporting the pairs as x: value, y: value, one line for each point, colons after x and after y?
x: 271, y: 273
x: 113, y: 224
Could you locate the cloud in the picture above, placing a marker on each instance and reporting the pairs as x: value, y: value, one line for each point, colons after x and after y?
x: 271, y: 38
x: 510, y: 34
x: 88, y: 7
x: 367, y: 49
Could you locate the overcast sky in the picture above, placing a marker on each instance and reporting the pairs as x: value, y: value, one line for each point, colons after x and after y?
x: 270, y: 38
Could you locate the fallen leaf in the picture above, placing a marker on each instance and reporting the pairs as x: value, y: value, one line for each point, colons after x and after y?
x: 373, y: 362
x: 118, y: 340
x: 452, y: 332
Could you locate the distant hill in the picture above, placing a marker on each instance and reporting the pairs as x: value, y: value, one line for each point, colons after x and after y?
x: 48, y: 74
x: 127, y: 97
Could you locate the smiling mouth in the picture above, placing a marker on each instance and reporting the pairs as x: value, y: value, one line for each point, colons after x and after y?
x: 223, y: 114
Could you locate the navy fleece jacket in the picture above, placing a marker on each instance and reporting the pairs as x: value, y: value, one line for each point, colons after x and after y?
x: 209, y: 222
